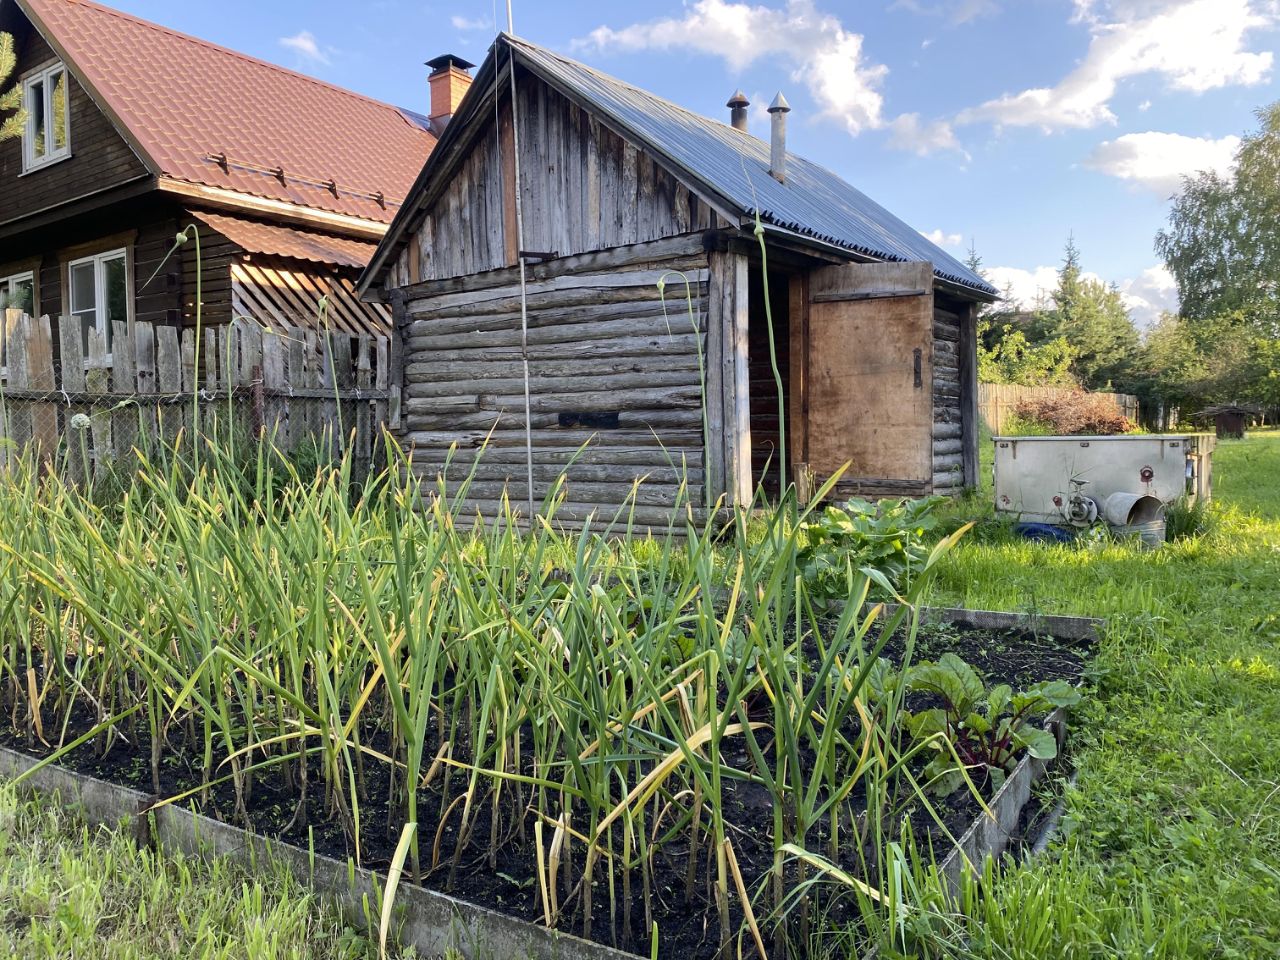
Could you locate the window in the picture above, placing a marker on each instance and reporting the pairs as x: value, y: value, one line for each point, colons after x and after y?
x: 98, y: 293
x: 17, y: 292
x: 48, y: 135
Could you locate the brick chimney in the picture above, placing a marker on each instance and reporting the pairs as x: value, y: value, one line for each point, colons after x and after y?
x: 449, y: 81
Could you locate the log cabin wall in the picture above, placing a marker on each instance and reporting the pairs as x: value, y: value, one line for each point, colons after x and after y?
x: 948, y: 415
x: 609, y: 364
x: 584, y: 188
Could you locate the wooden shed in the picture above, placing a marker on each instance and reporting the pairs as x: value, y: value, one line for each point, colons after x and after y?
x: 648, y: 349
x: 1230, y: 420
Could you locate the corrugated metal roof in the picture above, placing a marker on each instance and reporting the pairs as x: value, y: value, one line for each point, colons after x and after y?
x: 814, y: 202
x: 256, y: 236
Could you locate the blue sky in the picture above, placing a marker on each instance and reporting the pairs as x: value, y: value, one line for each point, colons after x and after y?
x: 1008, y: 123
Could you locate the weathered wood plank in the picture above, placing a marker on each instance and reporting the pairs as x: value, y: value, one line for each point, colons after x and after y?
x: 98, y: 380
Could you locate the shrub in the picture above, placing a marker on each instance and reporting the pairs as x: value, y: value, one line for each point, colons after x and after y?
x: 1077, y: 412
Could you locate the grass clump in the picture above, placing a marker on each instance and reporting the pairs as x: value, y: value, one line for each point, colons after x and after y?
x: 68, y: 890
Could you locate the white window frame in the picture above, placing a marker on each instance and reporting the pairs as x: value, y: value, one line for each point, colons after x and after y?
x: 99, y: 261
x: 52, y: 154
x: 6, y: 287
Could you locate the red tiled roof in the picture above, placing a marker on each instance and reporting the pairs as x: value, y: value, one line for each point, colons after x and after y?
x: 184, y: 100
x: 256, y: 236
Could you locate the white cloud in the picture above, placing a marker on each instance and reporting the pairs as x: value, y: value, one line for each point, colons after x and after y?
x: 1159, y: 161
x: 922, y: 137
x: 1194, y: 45
x: 1145, y: 296
x: 304, y: 44
x: 944, y: 239
x: 1150, y: 294
x: 823, y: 55
x: 471, y: 23
x: 821, y: 52
x: 1026, y: 288
x: 957, y: 11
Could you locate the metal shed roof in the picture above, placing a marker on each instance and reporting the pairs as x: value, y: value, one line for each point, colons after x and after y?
x: 814, y: 202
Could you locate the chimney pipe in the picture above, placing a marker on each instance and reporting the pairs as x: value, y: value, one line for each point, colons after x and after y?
x: 738, y: 104
x: 449, y: 81
x: 778, y: 111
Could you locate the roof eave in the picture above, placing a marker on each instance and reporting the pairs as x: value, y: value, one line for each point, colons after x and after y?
x: 962, y: 290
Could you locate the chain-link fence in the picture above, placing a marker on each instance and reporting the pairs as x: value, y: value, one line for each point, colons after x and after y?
x: 89, y: 404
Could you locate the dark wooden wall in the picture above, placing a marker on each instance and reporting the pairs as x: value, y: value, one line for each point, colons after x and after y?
x: 100, y: 157
x: 765, y: 433
x: 584, y: 189
x: 149, y: 240
x: 216, y: 256
x: 608, y: 368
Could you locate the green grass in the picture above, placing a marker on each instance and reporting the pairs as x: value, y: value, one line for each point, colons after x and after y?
x: 68, y: 890
x: 1173, y: 847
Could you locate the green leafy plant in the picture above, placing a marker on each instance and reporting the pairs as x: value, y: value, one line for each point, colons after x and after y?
x: 885, y: 540
x: 986, y: 728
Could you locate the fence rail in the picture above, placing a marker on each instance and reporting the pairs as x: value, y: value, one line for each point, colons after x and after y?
x: 997, y: 402
x: 91, y: 402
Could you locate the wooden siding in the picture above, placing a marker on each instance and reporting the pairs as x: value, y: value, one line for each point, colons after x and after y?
x: 608, y: 368
x: 100, y: 157
x: 156, y: 301
x: 217, y: 254
x: 584, y: 188
x: 948, y: 417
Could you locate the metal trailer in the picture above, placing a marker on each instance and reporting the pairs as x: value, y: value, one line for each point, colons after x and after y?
x: 1044, y: 479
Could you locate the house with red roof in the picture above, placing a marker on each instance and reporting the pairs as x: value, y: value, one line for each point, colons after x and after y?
x: 134, y: 132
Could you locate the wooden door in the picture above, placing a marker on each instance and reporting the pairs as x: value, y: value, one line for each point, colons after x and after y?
x: 868, y: 388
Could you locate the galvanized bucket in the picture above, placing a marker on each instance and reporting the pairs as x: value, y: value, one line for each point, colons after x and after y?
x: 1151, y: 533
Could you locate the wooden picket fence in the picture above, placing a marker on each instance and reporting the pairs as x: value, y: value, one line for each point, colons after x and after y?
x: 92, y: 409
x: 997, y: 402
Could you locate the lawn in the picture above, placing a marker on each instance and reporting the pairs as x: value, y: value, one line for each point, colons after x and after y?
x: 67, y: 890
x: 1174, y: 820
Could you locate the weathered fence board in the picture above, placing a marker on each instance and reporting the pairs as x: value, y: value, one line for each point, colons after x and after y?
x: 997, y: 402
x: 86, y: 403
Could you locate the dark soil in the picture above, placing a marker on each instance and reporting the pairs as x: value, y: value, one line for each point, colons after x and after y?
x: 508, y: 881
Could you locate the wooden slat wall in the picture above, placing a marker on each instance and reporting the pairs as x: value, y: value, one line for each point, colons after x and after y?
x: 948, y: 417
x: 285, y: 295
x: 584, y: 189
x: 599, y: 346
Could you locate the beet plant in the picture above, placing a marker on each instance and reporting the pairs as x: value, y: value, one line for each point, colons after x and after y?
x: 986, y: 729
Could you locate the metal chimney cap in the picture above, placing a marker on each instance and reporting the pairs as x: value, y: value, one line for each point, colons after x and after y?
x: 447, y: 60
x: 779, y: 104
x: 739, y: 99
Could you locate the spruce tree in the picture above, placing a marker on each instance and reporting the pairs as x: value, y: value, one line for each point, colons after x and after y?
x: 12, y: 118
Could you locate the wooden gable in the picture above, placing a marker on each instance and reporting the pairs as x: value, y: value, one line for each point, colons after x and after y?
x: 585, y: 188
x: 100, y: 157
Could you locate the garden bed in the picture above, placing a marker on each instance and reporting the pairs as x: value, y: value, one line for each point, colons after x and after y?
x: 623, y: 737
x: 497, y: 905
